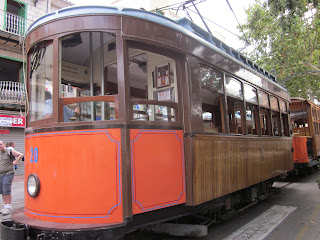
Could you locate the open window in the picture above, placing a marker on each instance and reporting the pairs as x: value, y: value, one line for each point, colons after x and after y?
x: 250, y: 95
x: 212, y: 99
x: 284, y: 117
x: 153, y: 86
x: 235, y: 105
x: 88, y: 83
x: 265, y: 118
x: 275, y: 116
x: 298, y: 119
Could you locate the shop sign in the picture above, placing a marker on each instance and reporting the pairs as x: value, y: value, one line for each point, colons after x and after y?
x: 12, y: 121
x: 4, y: 132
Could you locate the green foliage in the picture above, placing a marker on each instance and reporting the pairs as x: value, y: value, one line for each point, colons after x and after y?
x: 285, y: 37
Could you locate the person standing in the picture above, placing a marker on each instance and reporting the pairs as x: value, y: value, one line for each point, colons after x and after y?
x: 11, y: 146
x: 6, y: 175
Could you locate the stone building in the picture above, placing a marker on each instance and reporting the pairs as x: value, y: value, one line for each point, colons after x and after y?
x: 15, y: 18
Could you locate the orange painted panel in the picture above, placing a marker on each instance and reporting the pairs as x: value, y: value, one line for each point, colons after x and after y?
x: 80, y: 176
x: 158, y: 170
x: 300, y: 153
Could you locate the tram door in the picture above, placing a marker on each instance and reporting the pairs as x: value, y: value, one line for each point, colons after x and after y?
x: 156, y: 143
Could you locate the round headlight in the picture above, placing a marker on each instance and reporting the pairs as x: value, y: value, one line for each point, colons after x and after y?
x: 33, y: 185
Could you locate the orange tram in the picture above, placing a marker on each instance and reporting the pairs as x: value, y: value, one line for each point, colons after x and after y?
x: 305, y: 123
x: 136, y: 119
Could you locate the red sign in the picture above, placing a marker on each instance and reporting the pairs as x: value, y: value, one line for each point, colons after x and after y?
x: 12, y: 121
x: 5, y: 132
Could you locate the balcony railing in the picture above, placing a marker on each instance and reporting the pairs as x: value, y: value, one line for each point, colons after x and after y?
x: 14, y: 23
x: 12, y: 93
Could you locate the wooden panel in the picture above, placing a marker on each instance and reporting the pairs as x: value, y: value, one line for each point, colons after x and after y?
x: 316, y: 140
x: 158, y: 169
x: 226, y: 164
x: 83, y: 169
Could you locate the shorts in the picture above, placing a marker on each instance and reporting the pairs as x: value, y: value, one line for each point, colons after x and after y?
x: 6, y: 183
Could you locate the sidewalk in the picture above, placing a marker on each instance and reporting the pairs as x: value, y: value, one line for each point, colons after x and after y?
x: 18, y: 178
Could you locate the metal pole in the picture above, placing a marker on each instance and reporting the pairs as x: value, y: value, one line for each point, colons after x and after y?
x: 201, y: 17
x: 102, y: 75
x: 91, y: 74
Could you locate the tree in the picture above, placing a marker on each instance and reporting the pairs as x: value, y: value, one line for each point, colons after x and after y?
x: 286, y: 41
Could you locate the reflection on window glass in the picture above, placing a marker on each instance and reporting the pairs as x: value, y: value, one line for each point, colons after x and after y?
x: 210, y: 78
x: 250, y: 94
x: 89, y: 68
x: 283, y: 106
x: 274, y: 103
x: 40, y: 73
x: 263, y: 98
x: 233, y: 87
x: 85, y: 112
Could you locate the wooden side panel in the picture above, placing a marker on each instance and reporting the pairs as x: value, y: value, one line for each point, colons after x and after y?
x: 316, y: 140
x: 226, y: 164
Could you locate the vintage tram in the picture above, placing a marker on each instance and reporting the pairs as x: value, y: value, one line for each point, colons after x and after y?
x: 135, y: 118
x: 305, y: 123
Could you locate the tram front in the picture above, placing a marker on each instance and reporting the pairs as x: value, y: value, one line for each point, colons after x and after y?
x: 104, y: 138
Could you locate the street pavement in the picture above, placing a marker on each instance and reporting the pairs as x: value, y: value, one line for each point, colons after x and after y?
x: 17, y: 192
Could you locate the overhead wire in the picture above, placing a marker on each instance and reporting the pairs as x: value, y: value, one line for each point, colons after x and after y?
x: 247, y: 42
x: 188, y: 8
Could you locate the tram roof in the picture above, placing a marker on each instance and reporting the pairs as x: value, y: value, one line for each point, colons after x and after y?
x: 183, y: 25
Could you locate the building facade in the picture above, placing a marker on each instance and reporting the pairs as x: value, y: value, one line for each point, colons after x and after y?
x: 15, y: 18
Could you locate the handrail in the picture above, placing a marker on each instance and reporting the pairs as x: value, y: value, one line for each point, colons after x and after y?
x: 107, y: 98
x: 12, y: 92
x: 14, y: 23
x: 155, y: 102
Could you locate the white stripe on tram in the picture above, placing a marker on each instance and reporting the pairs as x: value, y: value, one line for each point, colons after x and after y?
x: 262, y: 225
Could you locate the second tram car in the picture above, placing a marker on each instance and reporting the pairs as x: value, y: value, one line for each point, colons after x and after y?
x: 305, y: 123
x: 135, y: 118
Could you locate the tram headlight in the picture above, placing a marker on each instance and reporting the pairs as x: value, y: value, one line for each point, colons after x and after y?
x: 33, y: 185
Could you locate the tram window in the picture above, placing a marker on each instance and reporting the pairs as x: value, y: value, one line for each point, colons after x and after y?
x: 265, y: 121
x: 284, y: 117
x: 211, y: 110
x: 250, y: 94
x: 251, y: 118
x: 211, y: 97
x: 276, y: 123
x: 40, y: 88
x: 153, y: 86
x: 233, y: 87
x: 285, y: 129
x: 89, y: 110
x: 264, y: 99
x: 235, y: 107
x: 89, y: 68
x: 274, y: 103
x: 210, y: 78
